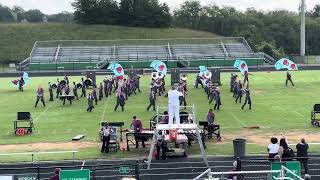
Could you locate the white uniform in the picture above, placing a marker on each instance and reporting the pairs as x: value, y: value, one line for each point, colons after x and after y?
x: 174, y: 106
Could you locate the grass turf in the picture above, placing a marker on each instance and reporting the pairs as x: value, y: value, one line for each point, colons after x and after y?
x: 276, y: 109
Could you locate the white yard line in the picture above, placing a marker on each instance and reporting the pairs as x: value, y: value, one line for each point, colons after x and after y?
x: 104, y: 110
x: 297, y: 113
x: 83, y: 164
x: 48, y: 107
x: 237, y: 119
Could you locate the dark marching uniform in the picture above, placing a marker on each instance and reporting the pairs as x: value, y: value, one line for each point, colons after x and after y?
x: 198, y: 81
x: 233, y: 78
x: 246, y: 77
x: 137, y: 82
x: 248, y: 99
x: 75, y: 90
x: 120, y: 100
x: 21, y: 84
x: 217, y: 99
x: 100, y: 92
x: 83, y: 90
x: 40, y: 93
x: 289, y: 79
x: 235, y: 88
x: 59, y: 90
x: 67, y: 92
x: 152, y: 99
x: 105, y: 87
x: 183, y: 98
x: 50, y: 91
x: 94, y: 95
x: 239, y: 93
x: 90, y: 103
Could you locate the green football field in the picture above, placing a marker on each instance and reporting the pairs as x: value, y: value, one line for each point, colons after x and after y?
x: 277, y: 110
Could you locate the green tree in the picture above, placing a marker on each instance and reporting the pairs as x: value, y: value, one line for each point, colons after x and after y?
x: 34, y: 15
x: 188, y: 16
x: 6, y: 15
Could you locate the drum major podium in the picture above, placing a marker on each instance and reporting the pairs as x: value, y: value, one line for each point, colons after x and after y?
x: 182, y: 127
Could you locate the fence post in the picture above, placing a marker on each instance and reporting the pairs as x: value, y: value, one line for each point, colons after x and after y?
x: 93, y: 173
x: 38, y: 172
x: 137, y: 176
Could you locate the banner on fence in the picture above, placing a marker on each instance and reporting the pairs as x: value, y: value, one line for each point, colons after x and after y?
x: 75, y: 174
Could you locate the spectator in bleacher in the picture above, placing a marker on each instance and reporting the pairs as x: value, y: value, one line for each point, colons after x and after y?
x: 273, y: 148
x: 137, y: 126
x: 56, y: 176
x: 285, y: 152
x: 302, y: 154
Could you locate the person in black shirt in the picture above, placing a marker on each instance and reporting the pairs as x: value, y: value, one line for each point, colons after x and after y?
x: 289, y: 79
x: 302, y: 154
x: 239, y: 93
x: 152, y: 99
x: 100, y: 92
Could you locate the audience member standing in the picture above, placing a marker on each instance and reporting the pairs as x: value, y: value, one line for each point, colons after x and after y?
x: 302, y: 154
x: 273, y: 148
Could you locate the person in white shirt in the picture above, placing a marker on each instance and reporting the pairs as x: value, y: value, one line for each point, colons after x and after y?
x: 106, y: 133
x: 273, y: 149
x: 174, y: 105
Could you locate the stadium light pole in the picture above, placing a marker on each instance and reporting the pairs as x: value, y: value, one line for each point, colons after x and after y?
x: 303, y: 31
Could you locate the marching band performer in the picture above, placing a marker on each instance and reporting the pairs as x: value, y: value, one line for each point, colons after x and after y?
x: 66, y: 78
x: 21, y: 84
x: 59, y: 90
x: 182, y: 98
x: 289, y: 78
x: 100, y: 92
x: 105, y: 87
x: 50, y: 91
x: 248, y: 98
x: 198, y: 81
x: 75, y: 90
x: 94, y: 95
x: 83, y: 89
x: 235, y: 88
x: 217, y: 99
x: 90, y: 102
x: 120, y: 99
x: 115, y: 82
x: 233, y: 78
x: 137, y: 82
x: 40, y: 94
x: 67, y: 93
x: 240, y: 92
x: 152, y: 99
x: 246, y: 77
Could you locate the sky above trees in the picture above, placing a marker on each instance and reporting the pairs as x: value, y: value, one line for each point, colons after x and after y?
x: 56, y: 6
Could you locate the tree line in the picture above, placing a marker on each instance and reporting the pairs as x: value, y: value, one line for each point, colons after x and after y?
x: 275, y: 32
x: 19, y: 15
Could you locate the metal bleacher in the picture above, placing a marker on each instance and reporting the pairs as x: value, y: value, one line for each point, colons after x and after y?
x: 199, y: 50
x: 93, y: 53
x: 141, y: 52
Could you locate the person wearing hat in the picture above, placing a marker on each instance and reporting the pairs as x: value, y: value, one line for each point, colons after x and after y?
x: 56, y: 174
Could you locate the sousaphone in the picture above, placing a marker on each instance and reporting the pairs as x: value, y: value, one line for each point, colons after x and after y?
x: 154, y: 75
x: 160, y: 75
x: 184, y: 77
x: 208, y: 75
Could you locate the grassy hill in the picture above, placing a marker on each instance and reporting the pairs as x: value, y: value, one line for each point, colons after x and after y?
x: 17, y: 40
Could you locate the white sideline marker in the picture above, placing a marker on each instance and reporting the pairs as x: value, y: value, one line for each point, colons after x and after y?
x: 236, y: 118
x: 83, y: 164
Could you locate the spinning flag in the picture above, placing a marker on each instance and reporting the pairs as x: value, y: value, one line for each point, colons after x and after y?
x: 241, y: 65
x: 117, y: 70
x: 285, y: 64
x: 203, y: 70
x: 25, y: 78
x: 159, y: 66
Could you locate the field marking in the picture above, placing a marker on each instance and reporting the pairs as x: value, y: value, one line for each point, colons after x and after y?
x: 297, y: 113
x: 104, y: 110
x: 48, y: 107
x: 236, y: 118
x: 83, y: 164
